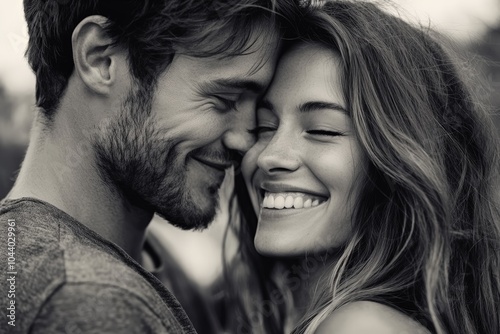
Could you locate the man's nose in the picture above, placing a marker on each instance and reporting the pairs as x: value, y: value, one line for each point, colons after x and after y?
x: 239, y: 140
x: 238, y: 137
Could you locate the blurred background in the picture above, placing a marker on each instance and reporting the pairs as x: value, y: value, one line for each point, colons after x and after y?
x: 473, y: 24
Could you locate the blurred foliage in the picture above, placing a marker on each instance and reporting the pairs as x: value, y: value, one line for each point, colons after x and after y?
x: 16, y: 112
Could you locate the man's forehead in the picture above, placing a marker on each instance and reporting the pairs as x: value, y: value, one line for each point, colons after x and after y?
x: 251, y: 71
x: 253, y: 75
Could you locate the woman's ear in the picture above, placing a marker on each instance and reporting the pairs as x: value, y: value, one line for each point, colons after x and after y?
x: 94, y: 55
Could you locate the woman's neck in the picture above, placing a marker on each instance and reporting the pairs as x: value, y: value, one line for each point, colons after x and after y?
x: 306, y: 277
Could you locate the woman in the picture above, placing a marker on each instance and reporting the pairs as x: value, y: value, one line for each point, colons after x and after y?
x: 374, y: 188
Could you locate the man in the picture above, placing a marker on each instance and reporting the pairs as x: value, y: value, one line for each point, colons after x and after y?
x: 143, y: 105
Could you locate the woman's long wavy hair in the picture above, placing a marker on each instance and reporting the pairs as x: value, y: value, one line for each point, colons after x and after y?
x: 425, y: 232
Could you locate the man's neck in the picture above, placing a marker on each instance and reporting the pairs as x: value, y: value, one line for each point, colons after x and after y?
x: 59, y: 169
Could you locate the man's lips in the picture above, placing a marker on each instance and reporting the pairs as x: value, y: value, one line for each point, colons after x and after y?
x: 219, y: 165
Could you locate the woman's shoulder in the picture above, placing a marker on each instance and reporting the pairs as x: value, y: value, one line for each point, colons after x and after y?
x: 370, y: 318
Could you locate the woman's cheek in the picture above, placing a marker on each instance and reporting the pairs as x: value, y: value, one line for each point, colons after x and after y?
x: 249, y: 163
x: 249, y: 167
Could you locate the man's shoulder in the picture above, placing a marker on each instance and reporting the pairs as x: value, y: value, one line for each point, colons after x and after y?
x: 91, y: 307
x: 34, y: 255
x: 30, y: 220
x: 371, y: 318
x: 44, y: 235
x: 34, y: 260
x: 54, y: 256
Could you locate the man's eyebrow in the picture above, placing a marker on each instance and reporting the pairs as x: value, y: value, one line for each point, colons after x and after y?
x: 235, y: 84
x: 320, y: 105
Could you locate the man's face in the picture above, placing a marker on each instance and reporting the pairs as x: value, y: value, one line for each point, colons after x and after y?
x: 169, y: 154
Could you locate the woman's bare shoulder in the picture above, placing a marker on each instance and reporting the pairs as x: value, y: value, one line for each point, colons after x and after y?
x: 366, y: 317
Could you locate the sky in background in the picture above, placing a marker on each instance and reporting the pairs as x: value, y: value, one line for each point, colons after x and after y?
x: 465, y: 20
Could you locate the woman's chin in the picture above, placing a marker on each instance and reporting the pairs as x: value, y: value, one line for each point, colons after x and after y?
x: 272, y: 246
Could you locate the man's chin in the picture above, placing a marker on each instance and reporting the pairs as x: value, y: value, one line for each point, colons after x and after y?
x: 192, y: 214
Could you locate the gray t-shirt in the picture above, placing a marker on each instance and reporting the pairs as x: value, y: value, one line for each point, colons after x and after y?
x: 58, y: 276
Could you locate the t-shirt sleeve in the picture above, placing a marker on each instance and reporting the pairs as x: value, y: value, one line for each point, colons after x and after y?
x: 94, y: 308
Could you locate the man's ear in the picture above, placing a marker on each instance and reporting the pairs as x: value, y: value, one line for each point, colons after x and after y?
x: 93, y: 54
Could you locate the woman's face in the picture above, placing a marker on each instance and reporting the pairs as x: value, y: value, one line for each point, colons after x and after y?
x: 304, y: 169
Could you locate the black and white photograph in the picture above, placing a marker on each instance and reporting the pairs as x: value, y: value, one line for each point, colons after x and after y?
x: 250, y: 166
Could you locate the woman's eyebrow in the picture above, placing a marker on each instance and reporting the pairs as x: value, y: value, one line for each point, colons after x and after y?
x: 320, y: 105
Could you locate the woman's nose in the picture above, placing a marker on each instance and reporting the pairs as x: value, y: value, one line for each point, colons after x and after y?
x: 280, y: 155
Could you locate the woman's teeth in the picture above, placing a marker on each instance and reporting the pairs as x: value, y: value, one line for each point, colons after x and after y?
x: 289, y: 201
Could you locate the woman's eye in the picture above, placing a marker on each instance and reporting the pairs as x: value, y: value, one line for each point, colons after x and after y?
x: 261, y: 129
x: 325, y: 133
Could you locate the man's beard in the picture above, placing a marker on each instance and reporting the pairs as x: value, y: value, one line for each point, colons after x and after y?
x: 134, y: 159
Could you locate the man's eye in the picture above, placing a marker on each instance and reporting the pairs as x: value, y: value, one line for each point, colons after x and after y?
x: 325, y: 133
x: 225, y: 104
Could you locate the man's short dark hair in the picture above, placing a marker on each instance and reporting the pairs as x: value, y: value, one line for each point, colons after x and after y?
x: 151, y: 31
